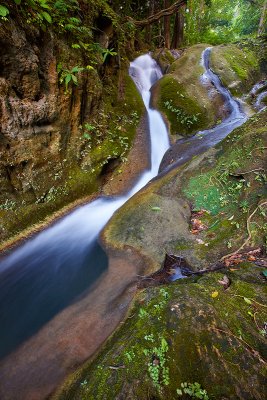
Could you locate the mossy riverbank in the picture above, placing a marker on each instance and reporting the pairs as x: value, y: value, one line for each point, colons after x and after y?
x: 193, y: 330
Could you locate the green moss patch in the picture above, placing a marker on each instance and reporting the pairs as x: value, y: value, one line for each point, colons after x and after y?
x: 237, y: 67
x: 181, y: 96
x: 232, y: 188
x: 181, y: 333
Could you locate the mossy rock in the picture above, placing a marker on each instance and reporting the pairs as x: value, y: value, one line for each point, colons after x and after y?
x: 157, y: 220
x: 188, y: 104
x: 237, y: 67
x: 189, y: 331
x: 73, y: 178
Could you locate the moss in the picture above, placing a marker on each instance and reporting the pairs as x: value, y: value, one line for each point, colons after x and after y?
x: 184, y: 113
x: 227, y: 195
x: 205, y: 343
x: 183, y: 90
x: 238, y: 68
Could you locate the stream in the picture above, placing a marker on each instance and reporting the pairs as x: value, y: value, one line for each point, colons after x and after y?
x: 48, y: 284
x: 184, y: 149
x: 47, y: 273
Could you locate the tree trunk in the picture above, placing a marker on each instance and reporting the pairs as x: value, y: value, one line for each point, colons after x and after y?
x: 162, y: 13
x: 178, y: 31
x: 167, y: 26
x: 262, y: 19
x: 148, y: 34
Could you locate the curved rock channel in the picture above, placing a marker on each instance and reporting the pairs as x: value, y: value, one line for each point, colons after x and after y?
x: 61, y: 294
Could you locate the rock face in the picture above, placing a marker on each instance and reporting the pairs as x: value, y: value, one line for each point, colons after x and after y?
x: 30, y: 116
x: 54, y: 142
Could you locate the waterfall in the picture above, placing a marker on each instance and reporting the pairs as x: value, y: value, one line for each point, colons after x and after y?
x: 44, y: 275
x: 203, y: 140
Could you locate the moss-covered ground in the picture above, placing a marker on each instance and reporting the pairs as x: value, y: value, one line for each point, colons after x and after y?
x: 184, y: 333
x: 233, y: 189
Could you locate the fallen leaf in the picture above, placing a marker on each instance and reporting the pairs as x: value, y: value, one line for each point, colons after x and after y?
x: 247, y: 300
x: 251, y: 258
x: 214, y: 294
x: 225, y: 281
x: 256, y: 251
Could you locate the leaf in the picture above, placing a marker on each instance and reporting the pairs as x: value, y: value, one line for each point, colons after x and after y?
x: 179, y: 392
x: 44, y: 5
x: 214, y: 294
x: 247, y: 300
x: 225, y: 281
x: 264, y: 273
x: 74, y: 79
x: 17, y: 2
x: 67, y: 79
x: 46, y: 16
x: 59, y: 67
x: 155, y: 208
x: 75, y: 69
x: 3, y: 11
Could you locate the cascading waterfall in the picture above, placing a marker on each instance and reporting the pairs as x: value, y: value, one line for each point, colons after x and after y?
x: 45, y: 274
x: 49, y: 271
x: 203, y: 140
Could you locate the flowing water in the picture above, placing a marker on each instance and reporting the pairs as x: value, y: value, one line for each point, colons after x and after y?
x: 259, y: 104
x: 203, y: 140
x: 57, y: 290
x: 48, y: 272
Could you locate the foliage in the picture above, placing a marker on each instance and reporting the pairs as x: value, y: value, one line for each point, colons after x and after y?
x: 193, y: 390
x: 69, y: 76
x: 157, y: 368
x: 220, y: 21
x: 181, y: 116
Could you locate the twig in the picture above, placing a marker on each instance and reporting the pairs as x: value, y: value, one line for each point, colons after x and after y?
x: 249, y: 233
x: 247, y: 172
x: 143, y: 277
x: 254, y: 317
x: 259, y: 304
x: 260, y: 148
x: 114, y: 367
x: 249, y: 348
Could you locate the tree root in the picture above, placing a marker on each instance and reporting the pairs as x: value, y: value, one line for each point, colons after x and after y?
x: 249, y: 348
x: 249, y: 233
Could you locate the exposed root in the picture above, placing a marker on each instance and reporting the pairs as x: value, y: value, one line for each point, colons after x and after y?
x: 249, y: 348
x: 249, y: 233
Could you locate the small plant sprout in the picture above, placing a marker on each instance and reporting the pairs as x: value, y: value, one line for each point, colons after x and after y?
x: 193, y: 390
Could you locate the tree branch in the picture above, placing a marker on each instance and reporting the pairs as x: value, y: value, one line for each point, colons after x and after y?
x: 162, y: 13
